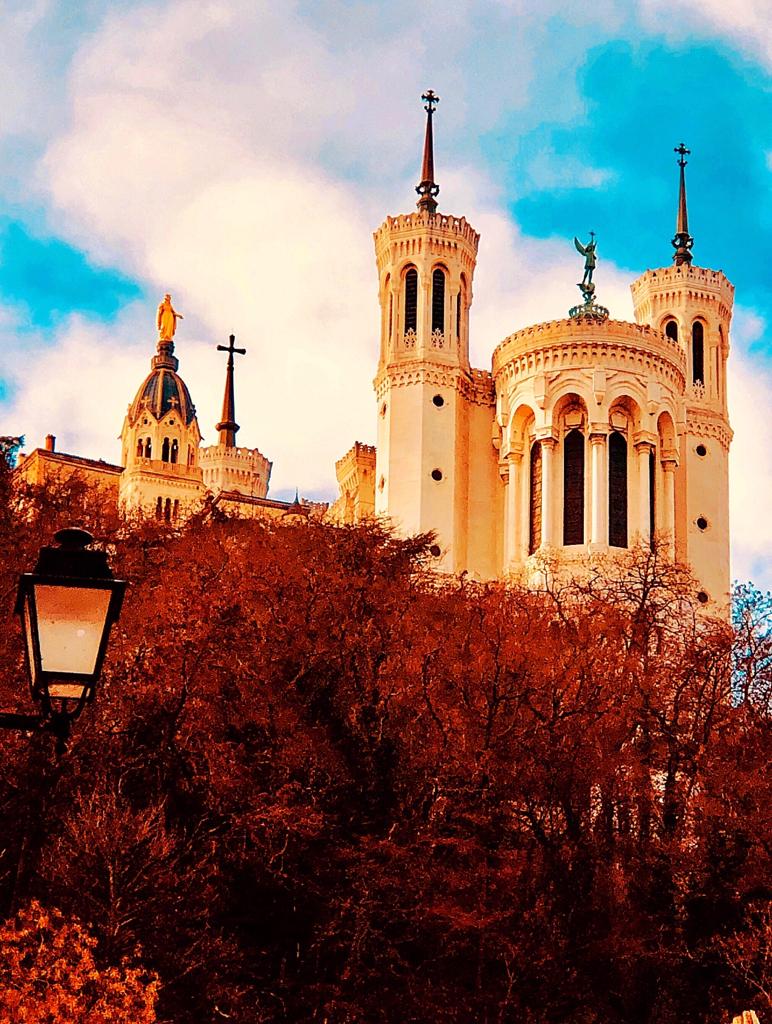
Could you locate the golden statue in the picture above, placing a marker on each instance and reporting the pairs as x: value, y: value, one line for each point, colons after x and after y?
x: 167, y: 319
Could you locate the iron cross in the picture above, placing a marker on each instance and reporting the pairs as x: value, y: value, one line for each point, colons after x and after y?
x: 682, y: 152
x: 230, y: 348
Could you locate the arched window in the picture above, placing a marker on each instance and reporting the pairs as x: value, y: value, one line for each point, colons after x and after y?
x: 176, y: 510
x: 458, y: 317
x: 168, y: 509
x: 391, y: 313
x: 175, y: 450
x: 148, y: 449
x: 140, y: 448
x: 411, y: 300
x: 617, y: 490
x: 190, y: 455
x: 159, y: 507
x: 698, y: 353
x: 671, y: 330
x: 438, y: 300
x: 573, y: 488
x: 534, y: 509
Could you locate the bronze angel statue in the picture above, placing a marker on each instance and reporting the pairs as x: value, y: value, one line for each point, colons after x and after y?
x: 588, y: 251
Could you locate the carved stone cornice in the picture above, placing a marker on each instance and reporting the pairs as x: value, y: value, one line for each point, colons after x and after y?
x: 704, y: 423
x: 612, y: 344
x: 476, y: 386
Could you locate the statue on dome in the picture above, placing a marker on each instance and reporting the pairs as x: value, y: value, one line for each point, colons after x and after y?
x: 167, y: 319
x: 590, y: 261
x: 586, y: 285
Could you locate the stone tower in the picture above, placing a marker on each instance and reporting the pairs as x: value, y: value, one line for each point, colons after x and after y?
x: 693, y: 306
x: 160, y: 437
x: 433, y: 409
x: 227, y: 468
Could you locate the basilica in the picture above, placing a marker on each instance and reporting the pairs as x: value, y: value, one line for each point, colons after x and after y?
x: 585, y: 435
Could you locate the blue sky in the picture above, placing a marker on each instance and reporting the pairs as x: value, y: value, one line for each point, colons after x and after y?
x: 240, y: 154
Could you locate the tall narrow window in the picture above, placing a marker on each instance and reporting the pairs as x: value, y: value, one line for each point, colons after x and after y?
x: 534, y: 534
x: 159, y: 507
x: 176, y: 510
x: 652, y: 497
x: 411, y: 300
x: 617, y: 490
x: 168, y: 509
x: 148, y: 449
x: 140, y: 448
x: 698, y: 353
x: 391, y: 313
x: 175, y: 450
x: 438, y: 300
x: 458, y: 317
x: 165, y: 450
x: 573, y: 488
x: 671, y: 330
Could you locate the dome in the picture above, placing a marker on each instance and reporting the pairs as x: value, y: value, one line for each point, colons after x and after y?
x: 163, y: 390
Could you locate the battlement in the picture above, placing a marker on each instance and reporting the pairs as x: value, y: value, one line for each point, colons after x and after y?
x: 677, y: 277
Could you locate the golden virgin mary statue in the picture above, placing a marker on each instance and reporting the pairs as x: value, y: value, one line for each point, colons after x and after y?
x: 167, y: 319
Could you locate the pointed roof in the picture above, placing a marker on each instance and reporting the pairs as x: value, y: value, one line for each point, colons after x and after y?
x: 228, y: 426
x: 428, y: 188
x: 683, y: 241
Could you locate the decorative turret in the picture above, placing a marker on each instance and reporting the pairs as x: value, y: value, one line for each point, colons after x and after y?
x: 692, y: 306
x: 228, y: 469
x: 424, y: 385
x: 160, y: 435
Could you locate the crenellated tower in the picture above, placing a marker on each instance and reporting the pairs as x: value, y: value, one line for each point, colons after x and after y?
x: 693, y: 306
x: 433, y: 409
x: 227, y: 468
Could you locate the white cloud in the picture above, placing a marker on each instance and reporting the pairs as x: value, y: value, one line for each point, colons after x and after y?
x: 744, y: 22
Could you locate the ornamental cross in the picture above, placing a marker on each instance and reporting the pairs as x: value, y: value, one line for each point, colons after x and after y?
x: 682, y: 152
x: 230, y: 348
x: 431, y: 100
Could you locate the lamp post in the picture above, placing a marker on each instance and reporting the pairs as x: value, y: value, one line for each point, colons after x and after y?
x: 67, y: 606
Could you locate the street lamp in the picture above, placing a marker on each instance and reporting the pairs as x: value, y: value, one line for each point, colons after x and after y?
x: 67, y: 606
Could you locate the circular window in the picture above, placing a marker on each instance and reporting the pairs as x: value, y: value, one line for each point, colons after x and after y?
x: 383, y: 409
x: 436, y: 474
x: 702, y: 523
x: 702, y: 597
x: 439, y: 401
x: 701, y: 450
x: 435, y: 550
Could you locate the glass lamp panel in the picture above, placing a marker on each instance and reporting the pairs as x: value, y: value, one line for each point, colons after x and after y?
x: 66, y: 691
x: 28, y: 638
x: 71, y: 621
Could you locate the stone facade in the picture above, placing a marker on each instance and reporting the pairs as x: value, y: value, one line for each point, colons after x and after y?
x: 587, y: 435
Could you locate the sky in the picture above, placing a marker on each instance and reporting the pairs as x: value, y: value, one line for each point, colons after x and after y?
x: 239, y: 155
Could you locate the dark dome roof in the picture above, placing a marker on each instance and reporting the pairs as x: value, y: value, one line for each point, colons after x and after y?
x: 163, y: 389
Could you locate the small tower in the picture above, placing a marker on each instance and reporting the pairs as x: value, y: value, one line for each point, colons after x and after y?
x: 430, y: 402
x: 227, y: 468
x: 693, y: 306
x: 160, y: 436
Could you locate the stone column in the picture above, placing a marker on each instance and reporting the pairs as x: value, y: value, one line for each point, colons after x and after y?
x: 668, y: 502
x: 514, y: 500
x: 598, y: 490
x: 644, y: 449
x: 505, y: 472
x: 548, y: 446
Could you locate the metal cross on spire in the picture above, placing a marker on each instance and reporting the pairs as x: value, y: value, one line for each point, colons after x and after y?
x: 228, y: 425
x: 428, y: 188
x: 683, y: 241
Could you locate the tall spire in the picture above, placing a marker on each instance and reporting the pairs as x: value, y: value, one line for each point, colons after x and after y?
x: 427, y: 188
x: 228, y: 425
x: 683, y: 241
